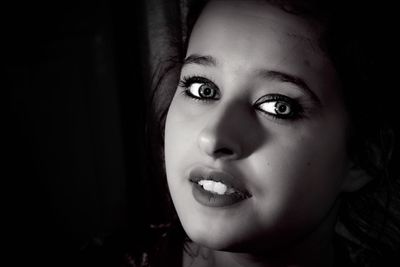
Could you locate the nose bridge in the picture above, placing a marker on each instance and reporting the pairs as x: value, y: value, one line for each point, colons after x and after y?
x: 224, y: 133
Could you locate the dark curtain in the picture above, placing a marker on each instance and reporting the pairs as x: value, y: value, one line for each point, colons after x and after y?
x: 76, y: 75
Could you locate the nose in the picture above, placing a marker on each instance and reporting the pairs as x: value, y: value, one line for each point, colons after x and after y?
x: 223, y: 136
x: 219, y: 148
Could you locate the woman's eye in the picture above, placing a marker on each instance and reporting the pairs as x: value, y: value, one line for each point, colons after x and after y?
x: 279, y: 106
x: 276, y: 108
x: 200, y: 88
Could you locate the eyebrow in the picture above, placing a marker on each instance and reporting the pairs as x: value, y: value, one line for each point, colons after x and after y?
x: 289, y: 78
x: 200, y: 60
x: 272, y: 75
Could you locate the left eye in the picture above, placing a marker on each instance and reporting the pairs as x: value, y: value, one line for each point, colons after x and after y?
x: 276, y: 107
x: 202, y: 91
x: 279, y: 106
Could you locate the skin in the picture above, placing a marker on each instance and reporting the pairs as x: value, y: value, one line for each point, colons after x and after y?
x: 295, y: 169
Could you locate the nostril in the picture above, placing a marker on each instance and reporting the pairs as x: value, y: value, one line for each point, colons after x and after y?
x: 218, y: 144
x: 223, y: 152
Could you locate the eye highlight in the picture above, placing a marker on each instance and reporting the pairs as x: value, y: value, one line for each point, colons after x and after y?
x: 279, y: 106
x: 199, y: 88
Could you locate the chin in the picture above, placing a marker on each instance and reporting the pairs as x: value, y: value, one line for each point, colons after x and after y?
x: 214, y: 239
x: 231, y: 239
x: 214, y: 243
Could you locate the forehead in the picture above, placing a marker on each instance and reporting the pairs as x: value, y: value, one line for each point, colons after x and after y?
x: 253, y: 29
x: 259, y: 12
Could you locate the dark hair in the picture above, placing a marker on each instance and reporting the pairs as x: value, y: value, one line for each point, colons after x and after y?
x: 369, y: 219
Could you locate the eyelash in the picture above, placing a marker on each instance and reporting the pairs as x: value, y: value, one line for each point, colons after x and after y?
x: 188, y: 81
x: 298, y: 111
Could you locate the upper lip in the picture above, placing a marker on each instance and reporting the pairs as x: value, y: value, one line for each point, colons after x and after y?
x: 205, y: 173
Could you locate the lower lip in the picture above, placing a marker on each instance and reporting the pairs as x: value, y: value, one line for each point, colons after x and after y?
x: 209, y: 199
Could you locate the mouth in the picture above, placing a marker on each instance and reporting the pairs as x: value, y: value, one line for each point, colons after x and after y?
x: 216, y: 188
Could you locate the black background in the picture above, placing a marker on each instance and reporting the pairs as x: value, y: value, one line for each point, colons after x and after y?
x: 75, y: 131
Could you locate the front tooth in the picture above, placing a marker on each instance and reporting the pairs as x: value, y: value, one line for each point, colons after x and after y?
x: 208, y: 185
x: 220, y: 188
x: 216, y: 187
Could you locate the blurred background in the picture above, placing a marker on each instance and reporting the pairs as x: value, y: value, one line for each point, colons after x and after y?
x: 75, y: 131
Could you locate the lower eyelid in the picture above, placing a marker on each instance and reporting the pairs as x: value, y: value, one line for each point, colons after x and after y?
x: 298, y: 112
x: 280, y: 119
x: 186, y: 93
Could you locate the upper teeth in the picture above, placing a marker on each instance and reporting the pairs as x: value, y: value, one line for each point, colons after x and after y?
x: 215, y: 187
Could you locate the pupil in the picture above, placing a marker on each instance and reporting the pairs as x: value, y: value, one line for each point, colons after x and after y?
x: 282, y: 108
x: 206, y: 92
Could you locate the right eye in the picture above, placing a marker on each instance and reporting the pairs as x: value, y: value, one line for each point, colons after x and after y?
x: 200, y: 88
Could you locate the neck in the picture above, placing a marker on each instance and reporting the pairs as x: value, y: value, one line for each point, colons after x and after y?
x: 303, y: 254
x: 314, y: 250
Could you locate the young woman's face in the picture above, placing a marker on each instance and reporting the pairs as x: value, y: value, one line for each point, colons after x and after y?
x: 255, y: 138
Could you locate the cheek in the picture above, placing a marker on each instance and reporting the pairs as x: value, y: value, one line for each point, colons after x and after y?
x: 301, y: 179
x: 173, y: 136
x: 173, y: 140
x: 178, y: 139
